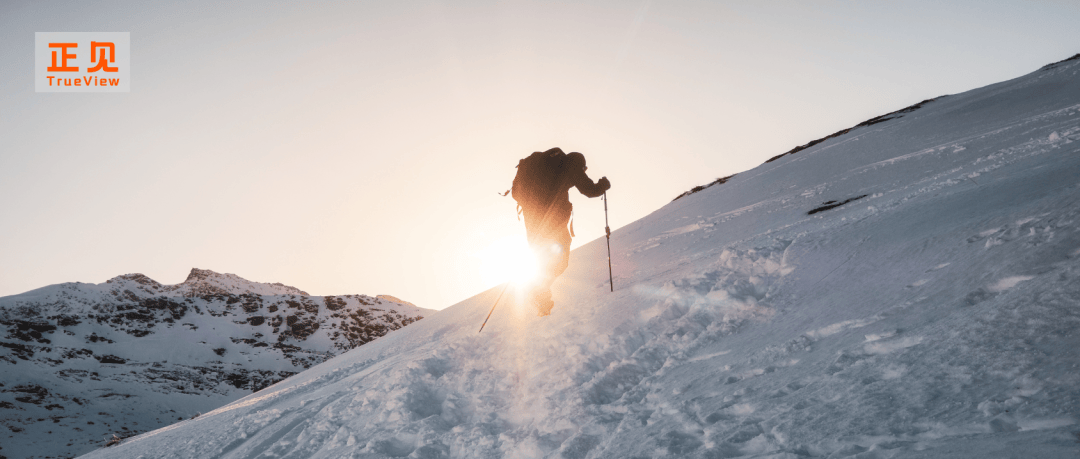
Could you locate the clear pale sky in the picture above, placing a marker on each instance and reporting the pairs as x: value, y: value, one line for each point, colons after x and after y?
x: 357, y: 147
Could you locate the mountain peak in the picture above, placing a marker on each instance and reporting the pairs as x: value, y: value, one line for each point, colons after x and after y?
x: 205, y: 281
x: 197, y: 275
x: 136, y: 277
x: 394, y: 299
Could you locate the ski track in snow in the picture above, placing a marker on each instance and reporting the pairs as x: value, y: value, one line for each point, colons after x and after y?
x: 935, y: 318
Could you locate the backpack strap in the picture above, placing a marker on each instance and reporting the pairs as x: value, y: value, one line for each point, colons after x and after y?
x: 518, y: 206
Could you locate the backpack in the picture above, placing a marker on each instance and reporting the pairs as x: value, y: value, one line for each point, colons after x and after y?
x: 535, y: 182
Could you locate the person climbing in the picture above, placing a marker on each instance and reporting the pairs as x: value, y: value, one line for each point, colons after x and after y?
x: 542, y: 191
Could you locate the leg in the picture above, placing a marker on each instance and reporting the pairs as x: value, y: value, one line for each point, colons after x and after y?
x: 553, y: 253
x: 550, y: 241
x: 547, y: 256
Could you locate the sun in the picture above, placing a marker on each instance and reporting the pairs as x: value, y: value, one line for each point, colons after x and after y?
x: 508, y: 259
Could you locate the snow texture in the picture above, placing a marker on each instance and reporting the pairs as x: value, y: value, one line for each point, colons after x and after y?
x: 80, y: 363
x: 936, y: 317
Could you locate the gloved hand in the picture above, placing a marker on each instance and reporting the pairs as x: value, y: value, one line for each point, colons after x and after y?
x: 604, y: 183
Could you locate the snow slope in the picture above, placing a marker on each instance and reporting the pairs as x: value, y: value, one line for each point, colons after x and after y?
x: 935, y: 317
x: 82, y: 362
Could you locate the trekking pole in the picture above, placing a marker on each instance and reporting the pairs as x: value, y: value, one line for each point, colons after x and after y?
x: 507, y: 284
x: 607, y: 229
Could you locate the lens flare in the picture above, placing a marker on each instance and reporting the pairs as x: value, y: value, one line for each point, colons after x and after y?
x: 508, y: 259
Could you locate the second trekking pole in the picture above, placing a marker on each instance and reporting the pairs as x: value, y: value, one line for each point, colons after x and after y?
x: 607, y: 229
x: 507, y: 284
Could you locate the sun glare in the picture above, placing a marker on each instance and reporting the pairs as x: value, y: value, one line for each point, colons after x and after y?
x: 508, y: 259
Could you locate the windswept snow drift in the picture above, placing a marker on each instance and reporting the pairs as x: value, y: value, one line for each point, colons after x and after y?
x: 936, y: 317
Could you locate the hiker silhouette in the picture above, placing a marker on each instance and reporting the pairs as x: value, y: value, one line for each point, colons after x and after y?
x: 542, y: 190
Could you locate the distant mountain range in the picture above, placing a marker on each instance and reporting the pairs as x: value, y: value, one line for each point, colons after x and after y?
x: 81, y: 362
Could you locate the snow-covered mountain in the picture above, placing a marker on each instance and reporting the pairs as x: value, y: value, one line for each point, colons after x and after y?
x: 82, y: 362
x: 907, y: 288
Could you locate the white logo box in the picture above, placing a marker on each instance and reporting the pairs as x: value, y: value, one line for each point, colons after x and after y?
x: 117, y: 56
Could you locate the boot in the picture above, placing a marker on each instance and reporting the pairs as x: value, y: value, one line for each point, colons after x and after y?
x: 543, y: 303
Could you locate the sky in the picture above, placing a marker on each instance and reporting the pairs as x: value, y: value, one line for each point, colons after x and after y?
x: 359, y: 147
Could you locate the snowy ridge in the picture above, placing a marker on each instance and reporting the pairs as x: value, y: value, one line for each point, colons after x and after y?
x: 81, y: 362
x: 936, y: 317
